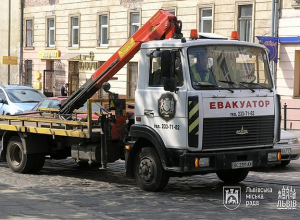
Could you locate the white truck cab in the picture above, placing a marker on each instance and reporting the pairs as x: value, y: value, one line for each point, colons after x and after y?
x: 206, y: 105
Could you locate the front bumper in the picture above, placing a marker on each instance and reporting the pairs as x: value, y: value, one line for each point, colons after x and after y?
x: 223, y: 160
x: 294, y: 148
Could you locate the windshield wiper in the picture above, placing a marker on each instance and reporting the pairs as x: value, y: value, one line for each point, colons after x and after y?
x: 228, y: 82
x: 257, y: 84
x: 212, y: 85
x: 204, y: 84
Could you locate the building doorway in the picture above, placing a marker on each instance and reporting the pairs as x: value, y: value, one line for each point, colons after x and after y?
x: 73, y: 76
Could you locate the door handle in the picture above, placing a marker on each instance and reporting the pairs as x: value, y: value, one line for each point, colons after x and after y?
x: 149, y: 112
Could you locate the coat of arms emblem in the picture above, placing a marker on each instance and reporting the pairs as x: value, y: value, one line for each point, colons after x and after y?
x: 167, y: 106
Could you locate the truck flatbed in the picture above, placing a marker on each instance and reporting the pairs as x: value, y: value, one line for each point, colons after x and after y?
x: 40, y: 124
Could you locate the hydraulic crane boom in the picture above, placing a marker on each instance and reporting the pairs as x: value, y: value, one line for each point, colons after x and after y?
x: 162, y: 25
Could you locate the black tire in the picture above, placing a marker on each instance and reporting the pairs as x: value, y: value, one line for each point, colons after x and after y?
x: 17, y: 160
x: 233, y: 176
x: 148, y: 171
x: 39, y: 162
x: 284, y: 163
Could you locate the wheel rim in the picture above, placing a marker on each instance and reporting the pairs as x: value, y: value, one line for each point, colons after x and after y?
x: 146, y: 170
x: 15, y: 155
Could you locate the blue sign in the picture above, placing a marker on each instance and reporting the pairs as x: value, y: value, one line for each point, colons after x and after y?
x: 272, y: 44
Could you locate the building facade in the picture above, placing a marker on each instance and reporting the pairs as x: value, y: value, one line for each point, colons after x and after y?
x: 10, y: 41
x: 288, y: 67
x: 68, y: 40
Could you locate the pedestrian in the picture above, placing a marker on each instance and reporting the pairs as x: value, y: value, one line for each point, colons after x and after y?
x: 64, y: 90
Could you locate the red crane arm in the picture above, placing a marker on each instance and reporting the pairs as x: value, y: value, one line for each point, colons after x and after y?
x: 162, y: 25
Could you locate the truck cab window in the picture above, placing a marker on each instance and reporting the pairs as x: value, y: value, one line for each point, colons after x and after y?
x: 178, y: 70
x: 229, y: 67
x: 155, y: 77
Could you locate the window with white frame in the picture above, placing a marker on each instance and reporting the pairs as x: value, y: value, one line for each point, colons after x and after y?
x: 74, y: 31
x: 103, y: 30
x: 134, y: 22
x: 29, y: 33
x: 206, y: 20
x: 245, y: 22
x: 51, y: 33
x: 172, y: 11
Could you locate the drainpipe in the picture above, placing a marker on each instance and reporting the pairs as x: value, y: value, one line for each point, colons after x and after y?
x: 21, y: 40
x: 274, y: 27
x: 8, y: 49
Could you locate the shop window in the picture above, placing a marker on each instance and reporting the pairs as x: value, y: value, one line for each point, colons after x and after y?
x: 101, y: 93
x: 245, y: 22
x: 27, y: 74
x: 29, y: 33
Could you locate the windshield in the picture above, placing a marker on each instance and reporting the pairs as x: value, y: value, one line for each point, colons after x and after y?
x: 229, y: 67
x: 24, y: 95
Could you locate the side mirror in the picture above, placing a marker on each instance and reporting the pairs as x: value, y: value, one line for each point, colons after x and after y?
x: 166, y: 63
x: 170, y: 84
x: 2, y: 101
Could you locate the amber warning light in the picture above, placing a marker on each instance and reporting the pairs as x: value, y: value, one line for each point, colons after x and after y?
x: 194, y: 34
x: 234, y: 35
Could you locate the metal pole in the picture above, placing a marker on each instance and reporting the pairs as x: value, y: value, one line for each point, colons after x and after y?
x: 21, y: 41
x: 8, y: 51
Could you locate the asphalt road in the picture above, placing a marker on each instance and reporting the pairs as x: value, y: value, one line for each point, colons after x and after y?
x: 63, y: 190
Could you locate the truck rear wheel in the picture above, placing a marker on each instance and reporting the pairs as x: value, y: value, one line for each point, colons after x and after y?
x: 233, y: 176
x: 17, y: 160
x: 39, y: 162
x: 148, y: 171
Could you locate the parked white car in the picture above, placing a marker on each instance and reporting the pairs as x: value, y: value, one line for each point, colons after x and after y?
x: 290, y: 147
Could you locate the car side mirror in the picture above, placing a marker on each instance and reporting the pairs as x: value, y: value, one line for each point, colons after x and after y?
x: 166, y: 63
x: 170, y: 84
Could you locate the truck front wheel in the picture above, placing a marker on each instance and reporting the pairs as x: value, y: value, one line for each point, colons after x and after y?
x: 17, y: 160
x: 233, y: 176
x: 148, y: 171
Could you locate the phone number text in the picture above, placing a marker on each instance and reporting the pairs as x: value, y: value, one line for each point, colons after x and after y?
x: 243, y: 113
x: 168, y: 126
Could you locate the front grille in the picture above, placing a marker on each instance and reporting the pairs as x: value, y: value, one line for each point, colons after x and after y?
x: 220, y: 133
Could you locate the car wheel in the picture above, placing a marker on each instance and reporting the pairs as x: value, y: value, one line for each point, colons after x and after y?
x: 233, y: 176
x: 17, y: 160
x: 148, y: 171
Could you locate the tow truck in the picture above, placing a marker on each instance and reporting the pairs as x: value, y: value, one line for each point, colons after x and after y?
x: 225, y: 120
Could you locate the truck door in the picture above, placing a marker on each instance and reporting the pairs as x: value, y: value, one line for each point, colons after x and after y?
x: 165, y: 111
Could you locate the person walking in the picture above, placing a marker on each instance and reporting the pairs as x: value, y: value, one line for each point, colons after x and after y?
x: 64, y: 90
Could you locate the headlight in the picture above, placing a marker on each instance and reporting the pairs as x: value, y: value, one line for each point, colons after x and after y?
x: 293, y: 141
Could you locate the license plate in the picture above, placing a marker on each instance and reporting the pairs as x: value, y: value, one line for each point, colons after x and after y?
x: 241, y: 164
x: 286, y: 151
